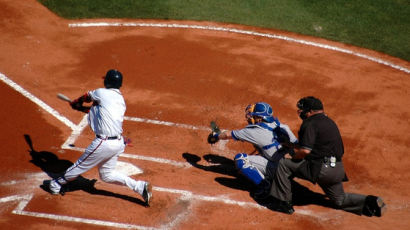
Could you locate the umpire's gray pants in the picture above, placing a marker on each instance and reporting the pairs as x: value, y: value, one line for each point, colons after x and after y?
x: 330, y: 180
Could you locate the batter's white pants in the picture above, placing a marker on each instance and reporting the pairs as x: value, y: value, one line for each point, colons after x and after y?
x: 104, y: 154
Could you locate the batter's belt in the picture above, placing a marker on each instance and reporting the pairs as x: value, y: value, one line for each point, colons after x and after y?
x: 108, y: 138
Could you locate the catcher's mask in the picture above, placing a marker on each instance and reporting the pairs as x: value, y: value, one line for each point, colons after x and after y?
x: 307, y: 104
x: 259, y: 109
x: 113, y: 79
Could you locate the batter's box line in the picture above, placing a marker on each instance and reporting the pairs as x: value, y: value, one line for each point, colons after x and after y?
x: 166, y: 123
x: 185, y: 195
x: 25, y: 199
x: 145, y: 158
x: 188, y: 195
x: 78, y: 129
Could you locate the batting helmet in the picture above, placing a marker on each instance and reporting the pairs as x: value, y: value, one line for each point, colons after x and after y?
x: 307, y: 104
x: 113, y: 79
x: 259, y: 109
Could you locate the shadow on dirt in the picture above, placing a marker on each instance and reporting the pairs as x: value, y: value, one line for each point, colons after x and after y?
x: 47, y: 161
x: 54, y: 167
x: 222, y: 165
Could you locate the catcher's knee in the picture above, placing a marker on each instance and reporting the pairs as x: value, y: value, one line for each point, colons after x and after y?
x: 246, y: 169
x: 241, y: 160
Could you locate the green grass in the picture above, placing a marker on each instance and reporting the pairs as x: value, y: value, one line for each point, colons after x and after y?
x: 382, y: 25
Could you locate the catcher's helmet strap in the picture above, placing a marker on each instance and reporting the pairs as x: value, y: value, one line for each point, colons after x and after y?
x: 249, y: 113
x: 250, y: 108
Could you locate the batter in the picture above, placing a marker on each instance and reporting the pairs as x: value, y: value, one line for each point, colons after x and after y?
x: 105, y: 118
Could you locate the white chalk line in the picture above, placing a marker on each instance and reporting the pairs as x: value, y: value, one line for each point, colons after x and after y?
x: 185, y: 195
x: 37, y: 101
x: 76, y: 132
x: 248, y: 32
x: 145, y: 158
x: 166, y: 123
x: 219, y: 199
x: 25, y: 199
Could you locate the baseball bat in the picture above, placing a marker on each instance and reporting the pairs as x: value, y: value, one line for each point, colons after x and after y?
x: 63, y: 97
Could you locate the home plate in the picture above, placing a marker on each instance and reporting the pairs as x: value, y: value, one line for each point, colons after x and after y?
x: 127, y: 168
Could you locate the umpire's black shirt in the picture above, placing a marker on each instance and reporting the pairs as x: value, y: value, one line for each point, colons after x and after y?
x: 320, y: 134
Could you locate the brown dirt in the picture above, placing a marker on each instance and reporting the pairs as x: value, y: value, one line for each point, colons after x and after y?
x: 192, y: 76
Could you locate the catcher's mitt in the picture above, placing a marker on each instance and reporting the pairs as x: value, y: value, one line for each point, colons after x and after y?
x: 213, y: 138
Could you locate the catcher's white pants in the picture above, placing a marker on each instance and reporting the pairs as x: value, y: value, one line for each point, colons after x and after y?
x: 104, y: 153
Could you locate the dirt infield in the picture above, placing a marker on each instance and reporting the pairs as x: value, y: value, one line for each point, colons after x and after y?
x: 178, y: 76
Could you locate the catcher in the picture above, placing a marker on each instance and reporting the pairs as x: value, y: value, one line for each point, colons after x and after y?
x: 266, y: 134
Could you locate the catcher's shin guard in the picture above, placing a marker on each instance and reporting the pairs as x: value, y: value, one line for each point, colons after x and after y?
x: 249, y: 171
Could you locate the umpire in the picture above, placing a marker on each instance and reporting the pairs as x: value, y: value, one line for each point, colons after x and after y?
x: 318, y: 159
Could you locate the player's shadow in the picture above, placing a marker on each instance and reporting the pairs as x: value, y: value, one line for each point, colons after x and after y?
x: 221, y: 165
x: 47, y: 161
x: 53, y: 167
x: 301, y: 195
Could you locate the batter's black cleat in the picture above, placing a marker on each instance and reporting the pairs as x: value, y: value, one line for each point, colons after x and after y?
x: 147, y: 193
x: 281, y: 206
x: 374, y: 206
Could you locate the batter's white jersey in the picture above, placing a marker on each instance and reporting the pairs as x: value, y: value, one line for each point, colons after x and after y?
x: 107, y: 113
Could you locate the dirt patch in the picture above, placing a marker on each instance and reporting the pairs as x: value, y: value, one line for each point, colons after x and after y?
x: 189, y: 77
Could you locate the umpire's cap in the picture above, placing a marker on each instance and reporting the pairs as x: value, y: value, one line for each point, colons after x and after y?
x: 309, y: 103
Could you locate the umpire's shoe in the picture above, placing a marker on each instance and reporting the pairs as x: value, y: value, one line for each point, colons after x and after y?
x: 147, y: 193
x: 374, y: 206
